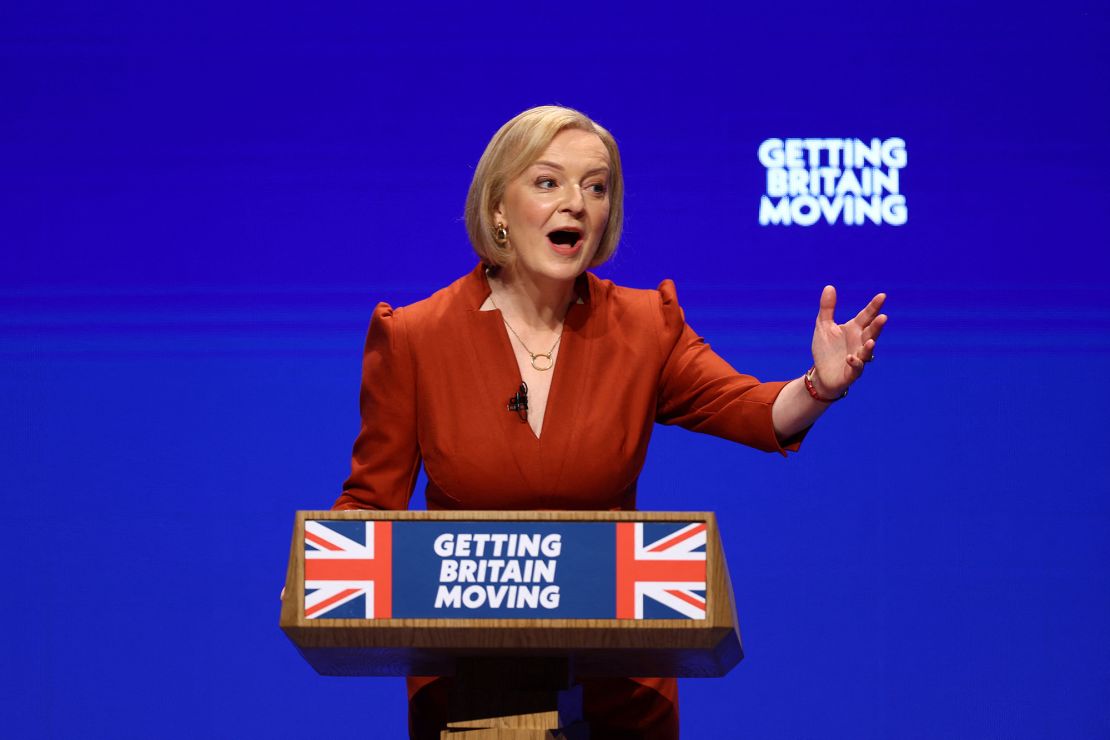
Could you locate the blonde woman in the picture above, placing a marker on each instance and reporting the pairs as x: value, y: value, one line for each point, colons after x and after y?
x: 530, y: 383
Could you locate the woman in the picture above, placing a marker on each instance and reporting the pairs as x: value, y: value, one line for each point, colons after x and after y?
x: 532, y: 384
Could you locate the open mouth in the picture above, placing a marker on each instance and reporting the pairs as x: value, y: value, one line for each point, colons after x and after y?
x: 565, y: 238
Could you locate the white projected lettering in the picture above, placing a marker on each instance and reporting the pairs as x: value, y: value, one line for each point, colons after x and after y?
x: 500, y: 567
x: 497, y: 597
x: 838, y: 181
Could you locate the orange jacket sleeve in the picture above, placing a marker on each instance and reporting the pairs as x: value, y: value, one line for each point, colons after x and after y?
x: 701, y: 392
x: 386, y: 456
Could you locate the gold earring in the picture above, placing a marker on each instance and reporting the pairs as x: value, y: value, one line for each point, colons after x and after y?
x: 501, y: 234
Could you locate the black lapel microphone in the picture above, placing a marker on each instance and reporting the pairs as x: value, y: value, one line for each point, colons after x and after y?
x: 518, y: 402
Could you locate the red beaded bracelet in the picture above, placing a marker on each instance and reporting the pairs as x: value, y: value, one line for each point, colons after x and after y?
x: 813, y: 390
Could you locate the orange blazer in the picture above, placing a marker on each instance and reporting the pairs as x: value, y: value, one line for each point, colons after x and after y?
x: 437, y: 377
x: 438, y: 374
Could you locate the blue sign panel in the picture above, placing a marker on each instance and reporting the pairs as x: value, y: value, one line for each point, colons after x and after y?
x: 505, y: 570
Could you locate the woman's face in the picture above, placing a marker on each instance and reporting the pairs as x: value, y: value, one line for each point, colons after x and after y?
x: 557, y: 209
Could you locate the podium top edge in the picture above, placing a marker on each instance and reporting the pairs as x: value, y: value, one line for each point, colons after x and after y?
x: 509, y: 516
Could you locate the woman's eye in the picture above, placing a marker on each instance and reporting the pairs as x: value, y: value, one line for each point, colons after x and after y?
x: 598, y: 188
x: 546, y: 182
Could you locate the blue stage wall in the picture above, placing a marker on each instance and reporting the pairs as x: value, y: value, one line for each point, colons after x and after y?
x: 201, y: 205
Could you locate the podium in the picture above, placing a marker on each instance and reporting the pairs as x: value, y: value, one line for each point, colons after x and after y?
x: 514, y: 604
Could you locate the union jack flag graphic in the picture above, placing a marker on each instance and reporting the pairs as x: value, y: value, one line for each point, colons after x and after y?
x: 348, y: 570
x: 664, y: 576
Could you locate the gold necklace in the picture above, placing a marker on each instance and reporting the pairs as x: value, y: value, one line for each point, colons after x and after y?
x: 543, y: 366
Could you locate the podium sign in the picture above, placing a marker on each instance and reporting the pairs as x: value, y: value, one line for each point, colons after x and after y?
x: 507, y: 570
x: 617, y: 593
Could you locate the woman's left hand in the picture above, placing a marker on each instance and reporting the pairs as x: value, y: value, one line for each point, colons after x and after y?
x: 841, y: 350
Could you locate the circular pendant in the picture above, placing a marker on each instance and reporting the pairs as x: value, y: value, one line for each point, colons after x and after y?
x: 544, y: 362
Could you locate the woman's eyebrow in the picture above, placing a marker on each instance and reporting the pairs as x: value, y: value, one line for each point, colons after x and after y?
x: 557, y: 166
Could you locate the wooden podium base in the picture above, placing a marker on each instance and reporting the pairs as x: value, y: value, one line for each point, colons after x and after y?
x: 515, y: 699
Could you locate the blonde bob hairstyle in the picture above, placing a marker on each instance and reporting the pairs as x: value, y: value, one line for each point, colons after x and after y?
x: 511, y: 151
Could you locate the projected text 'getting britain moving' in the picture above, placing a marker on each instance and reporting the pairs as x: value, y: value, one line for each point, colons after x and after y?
x: 839, y: 181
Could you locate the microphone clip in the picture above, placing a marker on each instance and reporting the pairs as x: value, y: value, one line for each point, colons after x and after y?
x: 518, y: 402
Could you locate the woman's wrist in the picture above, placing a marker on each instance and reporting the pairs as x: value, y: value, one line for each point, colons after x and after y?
x: 818, y: 390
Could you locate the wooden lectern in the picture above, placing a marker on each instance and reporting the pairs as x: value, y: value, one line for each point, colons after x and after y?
x: 514, y: 604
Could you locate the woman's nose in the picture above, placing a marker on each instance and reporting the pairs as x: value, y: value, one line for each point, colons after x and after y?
x: 575, y: 202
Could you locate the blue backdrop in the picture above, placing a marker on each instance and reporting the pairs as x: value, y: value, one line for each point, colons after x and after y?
x: 201, y: 204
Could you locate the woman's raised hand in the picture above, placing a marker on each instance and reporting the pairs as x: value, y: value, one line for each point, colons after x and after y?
x: 841, y: 350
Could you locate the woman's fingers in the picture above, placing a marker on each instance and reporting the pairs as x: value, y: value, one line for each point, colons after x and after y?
x: 858, y: 359
x: 854, y: 341
x: 874, y: 330
x: 828, y: 304
x: 870, y: 311
x: 868, y: 352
